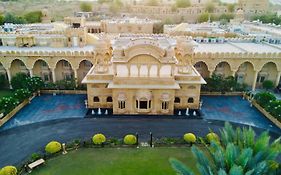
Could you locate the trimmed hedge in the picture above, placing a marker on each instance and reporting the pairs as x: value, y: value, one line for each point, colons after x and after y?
x: 130, y: 139
x: 53, y: 147
x: 8, y: 170
x: 189, y: 138
x: 99, y: 139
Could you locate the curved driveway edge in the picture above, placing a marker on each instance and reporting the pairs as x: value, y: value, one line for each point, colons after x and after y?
x: 19, y: 143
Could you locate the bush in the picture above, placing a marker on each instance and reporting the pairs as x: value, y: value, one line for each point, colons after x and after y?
x: 34, y: 83
x: 33, y: 17
x: 3, y: 81
x: 264, y: 98
x: 53, y: 147
x: 7, y: 104
x: 19, y: 81
x: 189, y: 138
x: 130, y: 139
x: 35, y: 156
x: 99, y: 139
x: 86, y: 7
x: 267, y: 84
x: 212, y: 137
x: 22, y: 94
x: 8, y: 170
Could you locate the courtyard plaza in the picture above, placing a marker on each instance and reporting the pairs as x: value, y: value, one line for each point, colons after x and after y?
x: 62, y: 118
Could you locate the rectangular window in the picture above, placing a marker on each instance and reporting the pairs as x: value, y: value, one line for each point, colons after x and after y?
x: 165, y: 105
x: 143, y: 104
x: 121, y: 104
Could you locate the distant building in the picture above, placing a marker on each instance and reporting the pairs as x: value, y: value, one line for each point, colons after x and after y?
x: 253, y: 7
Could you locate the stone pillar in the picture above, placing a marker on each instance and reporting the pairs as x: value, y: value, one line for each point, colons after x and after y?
x: 149, y: 68
x: 158, y: 70
x: 255, y: 80
x: 129, y: 70
x: 233, y: 73
x: 211, y: 73
x: 9, y: 77
x: 53, y: 75
x: 76, y: 77
x: 138, y: 66
x: 30, y: 72
x: 278, y: 78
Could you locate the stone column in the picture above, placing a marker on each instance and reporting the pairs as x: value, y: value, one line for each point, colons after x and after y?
x: 278, y: 78
x: 158, y: 70
x: 255, y: 80
x: 129, y: 70
x: 233, y: 73
x: 149, y: 68
x: 9, y: 77
x: 211, y: 73
x: 53, y: 75
x: 138, y: 66
x: 76, y: 77
x: 30, y: 72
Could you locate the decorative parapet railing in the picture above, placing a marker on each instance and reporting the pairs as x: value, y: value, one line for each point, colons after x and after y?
x: 47, y: 53
x: 233, y: 55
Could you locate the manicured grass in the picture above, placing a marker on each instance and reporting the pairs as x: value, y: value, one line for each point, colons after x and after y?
x: 4, y: 93
x: 117, y: 161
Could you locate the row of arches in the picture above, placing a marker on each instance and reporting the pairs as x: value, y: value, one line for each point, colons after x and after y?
x: 62, y: 71
x: 245, y: 73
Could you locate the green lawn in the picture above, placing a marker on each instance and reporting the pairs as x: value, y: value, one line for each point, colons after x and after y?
x: 4, y: 93
x: 117, y: 161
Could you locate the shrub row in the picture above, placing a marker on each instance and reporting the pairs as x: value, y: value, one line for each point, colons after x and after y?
x: 269, y: 102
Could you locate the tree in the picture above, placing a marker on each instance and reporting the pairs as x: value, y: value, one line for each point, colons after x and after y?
x: 2, y: 19
x: 204, y: 17
x: 226, y: 16
x: 239, y: 152
x: 86, y: 7
x: 267, y: 84
x: 33, y: 17
x: 182, y: 3
x: 19, y: 81
x: 11, y: 18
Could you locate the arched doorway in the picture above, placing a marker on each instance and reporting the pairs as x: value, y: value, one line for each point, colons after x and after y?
x: 202, y: 68
x: 223, y: 69
x: 245, y: 74
x: 268, y: 72
x: 18, y: 66
x: 42, y: 69
x: 83, y: 69
x: 64, y: 71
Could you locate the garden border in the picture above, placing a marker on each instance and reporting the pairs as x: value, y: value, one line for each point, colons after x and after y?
x: 267, y: 114
x: 16, y: 110
x: 63, y: 91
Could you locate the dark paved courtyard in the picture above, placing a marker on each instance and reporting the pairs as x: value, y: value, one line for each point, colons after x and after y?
x: 61, y: 118
x: 19, y: 143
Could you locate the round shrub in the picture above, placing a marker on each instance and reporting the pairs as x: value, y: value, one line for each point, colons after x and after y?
x: 189, y: 138
x: 98, y: 139
x: 212, y: 137
x: 53, y: 147
x: 8, y: 170
x: 130, y: 139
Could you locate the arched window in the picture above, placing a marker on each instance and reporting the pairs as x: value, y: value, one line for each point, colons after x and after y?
x: 177, y: 100
x: 190, y: 100
x: 96, y: 99
x: 109, y: 99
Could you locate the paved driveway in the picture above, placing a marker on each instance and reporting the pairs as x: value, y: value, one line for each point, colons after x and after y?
x: 19, y: 143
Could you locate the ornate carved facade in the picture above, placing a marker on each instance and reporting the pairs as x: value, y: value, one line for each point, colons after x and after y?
x: 146, y: 75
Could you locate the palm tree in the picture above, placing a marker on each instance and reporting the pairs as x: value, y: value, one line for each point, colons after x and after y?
x: 239, y: 152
